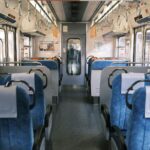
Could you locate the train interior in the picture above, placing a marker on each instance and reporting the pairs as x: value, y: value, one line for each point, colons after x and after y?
x: 74, y: 75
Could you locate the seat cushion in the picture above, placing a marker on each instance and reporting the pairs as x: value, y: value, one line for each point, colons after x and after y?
x: 38, y: 112
x: 119, y: 113
x: 138, y: 134
x: 17, y: 133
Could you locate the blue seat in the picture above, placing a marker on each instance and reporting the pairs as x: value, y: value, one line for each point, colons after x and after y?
x: 50, y: 64
x: 17, y: 133
x: 119, y: 113
x: 138, y: 134
x: 4, y: 79
x: 89, y: 68
x: 30, y: 63
x: 101, y: 64
x: 38, y: 112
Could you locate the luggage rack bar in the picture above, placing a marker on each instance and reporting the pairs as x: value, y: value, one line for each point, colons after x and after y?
x: 19, y: 63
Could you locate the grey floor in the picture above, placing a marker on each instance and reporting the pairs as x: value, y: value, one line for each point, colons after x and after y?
x: 77, y: 123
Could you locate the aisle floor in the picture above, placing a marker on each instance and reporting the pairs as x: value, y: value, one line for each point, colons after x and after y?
x: 77, y: 123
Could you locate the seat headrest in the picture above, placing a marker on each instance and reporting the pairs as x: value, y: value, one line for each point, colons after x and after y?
x: 147, y: 102
x: 128, y: 79
x: 29, y: 78
x: 8, y: 102
x: 51, y: 64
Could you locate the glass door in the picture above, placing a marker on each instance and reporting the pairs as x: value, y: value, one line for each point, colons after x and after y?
x: 74, y: 57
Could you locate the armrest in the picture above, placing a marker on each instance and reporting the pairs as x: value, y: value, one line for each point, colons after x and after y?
x: 105, y: 113
x: 118, y: 137
x: 60, y: 80
x: 48, y: 113
x: 86, y: 77
x: 38, y: 137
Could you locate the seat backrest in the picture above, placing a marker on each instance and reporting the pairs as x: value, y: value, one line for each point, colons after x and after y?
x: 89, y: 67
x: 96, y: 68
x: 38, y: 112
x: 101, y: 64
x: 119, y: 113
x: 51, y: 64
x: 4, y: 79
x: 30, y: 63
x: 17, y: 133
x: 138, y: 133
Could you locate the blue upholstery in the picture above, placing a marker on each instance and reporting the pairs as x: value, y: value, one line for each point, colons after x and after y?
x: 138, y: 134
x: 51, y: 64
x: 29, y: 63
x: 119, y: 113
x: 89, y: 68
x: 59, y: 68
x: 38, y: 112
x: 101, y: 64
x: 17, y: 133
x: 4, y: 79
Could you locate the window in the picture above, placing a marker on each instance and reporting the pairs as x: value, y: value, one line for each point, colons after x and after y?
x: 74, y: 57
x: 147, y: 46
x: 121, y: 47
x: 138, y: 47
x: 11, y: 51
x: 2, y: 46
x: 27, y: 51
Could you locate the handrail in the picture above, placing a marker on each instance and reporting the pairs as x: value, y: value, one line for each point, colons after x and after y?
x: 21, y: 62
x: 118, y: 69
x: 44, y: 75
x: 25, y: 83
x: 131, y: 88
x: 123, y: 62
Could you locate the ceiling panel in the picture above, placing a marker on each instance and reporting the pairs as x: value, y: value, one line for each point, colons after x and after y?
x: 74, y: 10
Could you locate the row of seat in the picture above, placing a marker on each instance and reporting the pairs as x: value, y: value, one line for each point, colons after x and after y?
x: 127, y: 122
x: 25, y: 116
x: 54, y: 63
x: 95, y: 67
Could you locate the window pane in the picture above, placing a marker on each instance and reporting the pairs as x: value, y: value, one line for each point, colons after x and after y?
x: 11, y: 51
x: 74, y: 57
x: 139, y: 44
x: 121, y: 47
x: 147, y: 46
x: 27, y: 51
x: 2, y: 46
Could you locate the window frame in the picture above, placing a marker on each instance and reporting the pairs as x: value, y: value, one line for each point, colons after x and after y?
x: 15, y: 51
x: 29, y: 46
x: 5, y: 33
x: 145, y: 33
x: 118, y: 47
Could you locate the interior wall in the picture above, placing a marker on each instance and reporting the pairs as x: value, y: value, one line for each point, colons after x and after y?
x: 103, y: 44
x: 31, y: 20
x: 48, y: 38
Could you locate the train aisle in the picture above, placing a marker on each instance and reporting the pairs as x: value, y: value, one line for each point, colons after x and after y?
x: 77, y: 123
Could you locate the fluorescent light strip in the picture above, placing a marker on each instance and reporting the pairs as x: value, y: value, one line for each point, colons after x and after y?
x: 43, y: 11
x: 106, y: 11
